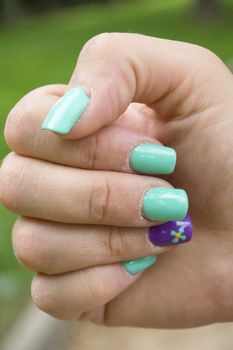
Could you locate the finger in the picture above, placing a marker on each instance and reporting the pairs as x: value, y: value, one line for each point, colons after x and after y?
x: 68, y: 296
x: 39, y: 245
x: 114, y: 148
x: 63, y: 194
x: 116, y: 69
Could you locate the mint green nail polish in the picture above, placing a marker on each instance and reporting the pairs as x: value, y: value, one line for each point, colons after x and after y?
x: 136, y: 266
x: 165, y: 204
x: 67, y: 111
x: 153, y: 159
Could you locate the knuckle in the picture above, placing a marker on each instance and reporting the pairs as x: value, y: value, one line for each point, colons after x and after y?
x: 27, y: 245
x: 99, y: 206
x: 99, y: 44
x: 23, y: 120
x: 203, y: 54
x: 10, y: 131
x: 91, y: 146
x: 115, y: 244
x: 94, y: 316
x: 95, y: 288
x: 15, y: 123
x: 222, y: 291
x: 11, y: 182
x: 42, y: 296
x: 210, y: 56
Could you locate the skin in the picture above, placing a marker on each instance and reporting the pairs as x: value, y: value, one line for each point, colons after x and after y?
x: 171, y: 93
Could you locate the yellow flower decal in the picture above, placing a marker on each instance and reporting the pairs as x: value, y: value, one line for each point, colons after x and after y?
x: 178, y: 236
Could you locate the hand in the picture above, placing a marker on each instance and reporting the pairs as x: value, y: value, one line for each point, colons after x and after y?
x: 186, y: 90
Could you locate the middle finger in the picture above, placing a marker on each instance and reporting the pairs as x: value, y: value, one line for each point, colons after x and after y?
x: 58, y: 193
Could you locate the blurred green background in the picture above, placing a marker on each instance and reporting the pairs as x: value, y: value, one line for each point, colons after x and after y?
x: 41, y: 47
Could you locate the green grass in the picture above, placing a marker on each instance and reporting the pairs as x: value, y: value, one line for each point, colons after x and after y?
x: 39, y: 51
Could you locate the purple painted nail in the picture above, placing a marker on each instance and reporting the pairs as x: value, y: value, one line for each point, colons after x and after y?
x: 172, y: 232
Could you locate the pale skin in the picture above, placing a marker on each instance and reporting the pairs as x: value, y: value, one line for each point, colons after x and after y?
x: 77, y: 225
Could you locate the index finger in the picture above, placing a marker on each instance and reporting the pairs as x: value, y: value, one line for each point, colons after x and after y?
x: 116, y: 69
x: 114, y: 148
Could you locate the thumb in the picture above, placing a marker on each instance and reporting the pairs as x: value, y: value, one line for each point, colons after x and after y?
x: 115, y: 69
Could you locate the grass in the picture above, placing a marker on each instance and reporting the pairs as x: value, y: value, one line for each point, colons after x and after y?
x: 43, y: 50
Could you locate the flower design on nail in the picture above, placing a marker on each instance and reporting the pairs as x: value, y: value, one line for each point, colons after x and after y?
x: 171, y: 232
x: 178, y: 235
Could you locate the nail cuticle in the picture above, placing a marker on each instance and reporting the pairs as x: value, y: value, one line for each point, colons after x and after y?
x: 127, y: 164
x: 153, y: 246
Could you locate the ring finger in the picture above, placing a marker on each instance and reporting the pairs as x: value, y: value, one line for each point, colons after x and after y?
x: 39, y: 245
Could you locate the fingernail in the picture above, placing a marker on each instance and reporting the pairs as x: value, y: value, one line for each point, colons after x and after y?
x: 164, y: 204
x: 67, y: 111
x: 136, y: 266
x: 153, y: 159
x: 172, y: 232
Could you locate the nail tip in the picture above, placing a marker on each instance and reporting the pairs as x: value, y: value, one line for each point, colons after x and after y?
x: 56, y: 130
